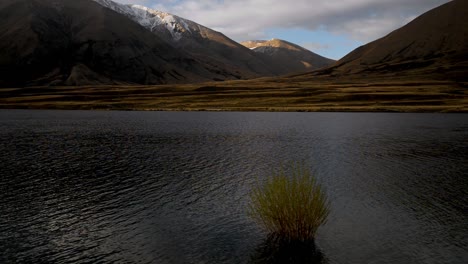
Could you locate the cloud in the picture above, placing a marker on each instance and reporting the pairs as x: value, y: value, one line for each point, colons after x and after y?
x: 362, y: 20
x: 135, y: 2
x: 316, y: 46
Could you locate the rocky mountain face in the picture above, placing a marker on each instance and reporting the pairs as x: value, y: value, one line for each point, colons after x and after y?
x: 81, y: 42
x: 435, y: 42
x: 230, y: 59
x: 285, y: 57
x: 87, y: 42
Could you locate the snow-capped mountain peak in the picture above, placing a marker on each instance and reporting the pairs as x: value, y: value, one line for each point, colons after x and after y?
x: 222, y: 56
x: 151, y: 19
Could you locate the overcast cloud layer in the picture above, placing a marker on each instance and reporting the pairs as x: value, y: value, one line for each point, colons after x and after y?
x: 362, y: 20
x: 358, y: 20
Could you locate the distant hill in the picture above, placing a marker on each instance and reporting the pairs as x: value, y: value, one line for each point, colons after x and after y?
x: 210, y: 47
x: 421, y: 67
x: 435, y: 42
x: 285, y: 57
x: 80, y: 42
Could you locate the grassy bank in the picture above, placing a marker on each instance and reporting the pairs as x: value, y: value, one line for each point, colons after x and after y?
x: 279, y: 94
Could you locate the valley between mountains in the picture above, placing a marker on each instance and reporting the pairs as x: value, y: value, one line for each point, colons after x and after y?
x: 103, y: 55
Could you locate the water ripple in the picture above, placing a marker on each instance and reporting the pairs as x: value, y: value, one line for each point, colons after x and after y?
x: 134, y: 187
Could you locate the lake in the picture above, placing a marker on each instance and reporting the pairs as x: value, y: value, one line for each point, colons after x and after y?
x: 173, y: 187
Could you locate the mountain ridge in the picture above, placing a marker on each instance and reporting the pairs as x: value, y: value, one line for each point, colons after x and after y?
x: 208, y: 46
x: 90, y: 42
x: 421, y: 67
x: 47, y: 41
x: 433, y: 42
x: 287, y: 57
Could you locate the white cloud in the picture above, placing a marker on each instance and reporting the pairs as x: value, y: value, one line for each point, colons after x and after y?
x: 135, y: 2
x: 362, y: 20
x: 316, y: 46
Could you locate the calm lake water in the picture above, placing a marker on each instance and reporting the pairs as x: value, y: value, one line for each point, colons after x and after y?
x: 162, y: 187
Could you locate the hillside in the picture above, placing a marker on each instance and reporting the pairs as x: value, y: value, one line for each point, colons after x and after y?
x: 80, y: 42
x: 285, y: 57
x: 421, y: 67
x: 210, y: 47
x: 433, y: 43
x: 51, y: 42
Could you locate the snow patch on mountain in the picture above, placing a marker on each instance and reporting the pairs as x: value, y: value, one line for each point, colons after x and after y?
x: 266, y: 49
x: 151, y: 19
x: 145, y: 18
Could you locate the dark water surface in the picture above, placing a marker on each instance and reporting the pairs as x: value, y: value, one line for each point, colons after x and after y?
x: 162, y: 187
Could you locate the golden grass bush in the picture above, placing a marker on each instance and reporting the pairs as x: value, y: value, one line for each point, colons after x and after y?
x: 290, y: 206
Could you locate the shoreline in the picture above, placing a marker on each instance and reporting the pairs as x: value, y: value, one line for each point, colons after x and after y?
x: 246, y: 110
x: 408, y: 94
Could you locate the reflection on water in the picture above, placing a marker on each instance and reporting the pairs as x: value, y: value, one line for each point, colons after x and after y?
x: 275, y: 250
x: 153, y: 187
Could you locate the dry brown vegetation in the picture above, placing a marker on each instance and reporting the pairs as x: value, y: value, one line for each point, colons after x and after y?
x: 294, y: 93
x: 421, y: 67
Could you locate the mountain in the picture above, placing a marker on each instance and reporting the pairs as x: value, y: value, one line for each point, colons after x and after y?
x: 286, y: 57
x: 421, y: 67
x: 88, y: 42
x: 80, y: 42
x: 231, y: 59
x: 433, y: 43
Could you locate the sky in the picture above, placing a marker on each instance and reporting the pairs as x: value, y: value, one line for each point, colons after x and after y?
x: 331, y: 28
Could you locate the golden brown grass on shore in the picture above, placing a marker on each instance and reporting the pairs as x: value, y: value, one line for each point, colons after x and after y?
x: 302, y: 93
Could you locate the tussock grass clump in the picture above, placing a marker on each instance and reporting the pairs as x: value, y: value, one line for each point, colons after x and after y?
x: 290, y: 206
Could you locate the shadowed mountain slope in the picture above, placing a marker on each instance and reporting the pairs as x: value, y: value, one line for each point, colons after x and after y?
x: 435, y: 42
x: 285, y: 57
x: 81, y: 42
x: 209, y: 47
x: 421, y: 67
